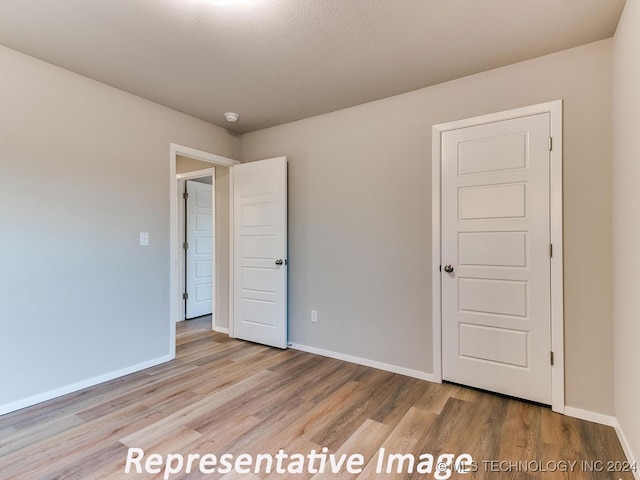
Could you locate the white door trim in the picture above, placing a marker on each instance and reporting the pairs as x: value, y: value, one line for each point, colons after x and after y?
x: 174, y: 285
x: 557, y: 296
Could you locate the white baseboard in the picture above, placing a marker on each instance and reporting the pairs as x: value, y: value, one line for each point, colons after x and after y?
x: 364, y: 361
x: 626, y: 448
x: 221, y: 330
x: 74, y: 387
x: 608, y: 420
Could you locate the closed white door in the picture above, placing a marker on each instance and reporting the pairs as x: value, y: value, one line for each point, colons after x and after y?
x: 260, y: 251
x: 199, y: 264
x: 496, y: 319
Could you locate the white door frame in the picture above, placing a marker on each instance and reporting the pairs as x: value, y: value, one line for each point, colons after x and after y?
x: 174, y: 285
x: 557, y: 296
x: 181, y: 179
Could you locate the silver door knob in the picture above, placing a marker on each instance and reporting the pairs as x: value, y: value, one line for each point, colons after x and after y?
x: 279, y: 261
x: 448, y: 268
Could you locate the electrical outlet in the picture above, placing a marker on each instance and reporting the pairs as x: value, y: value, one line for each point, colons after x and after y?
x: 314, y: 316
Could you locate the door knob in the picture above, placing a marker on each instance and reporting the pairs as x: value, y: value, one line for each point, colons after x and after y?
x: 279, y: 261
x: 448, y: 268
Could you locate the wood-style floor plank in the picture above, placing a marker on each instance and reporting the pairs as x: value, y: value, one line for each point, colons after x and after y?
x: 222, y: 395
x: 407, y: 437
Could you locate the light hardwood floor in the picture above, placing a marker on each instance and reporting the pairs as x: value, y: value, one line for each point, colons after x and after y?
x: 222, y: 395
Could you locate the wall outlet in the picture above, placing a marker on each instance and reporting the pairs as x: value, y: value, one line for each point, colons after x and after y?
x: 314, y: 316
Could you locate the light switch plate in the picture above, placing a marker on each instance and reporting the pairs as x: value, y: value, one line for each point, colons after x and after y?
x: 144, y: 239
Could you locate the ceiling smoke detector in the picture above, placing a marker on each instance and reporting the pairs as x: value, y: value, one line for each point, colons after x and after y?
x: 231, y: 117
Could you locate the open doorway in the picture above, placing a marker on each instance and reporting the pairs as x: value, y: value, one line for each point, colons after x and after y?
x: 196, y: 227
x: 187, y: 164
x: 250, y: 246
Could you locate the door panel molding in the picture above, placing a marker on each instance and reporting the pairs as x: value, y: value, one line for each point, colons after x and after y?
x: 554, y: 109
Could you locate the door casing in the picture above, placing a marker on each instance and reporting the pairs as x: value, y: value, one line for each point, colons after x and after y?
x: 554, y: 108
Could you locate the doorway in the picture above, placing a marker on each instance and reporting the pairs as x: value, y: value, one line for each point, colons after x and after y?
x: 250, y: 246
x: 187, y: 163
x: 497, y: 253
x: 197, y: 238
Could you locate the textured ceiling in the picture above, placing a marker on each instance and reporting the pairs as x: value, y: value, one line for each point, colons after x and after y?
x: 275, y: 61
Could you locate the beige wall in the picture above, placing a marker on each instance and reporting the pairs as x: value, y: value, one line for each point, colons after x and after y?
x: 626, y: 222
x: 84, y: 169
x: 186, y: 164
x: 221, y: 301
x: 360, y: 214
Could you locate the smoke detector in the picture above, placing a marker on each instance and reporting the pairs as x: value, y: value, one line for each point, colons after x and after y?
x: 231, y: 117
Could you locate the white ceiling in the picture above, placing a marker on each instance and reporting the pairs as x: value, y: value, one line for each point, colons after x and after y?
x: 275, y: 61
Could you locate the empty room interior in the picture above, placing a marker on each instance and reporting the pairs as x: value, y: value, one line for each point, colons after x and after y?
x: 338, y: 239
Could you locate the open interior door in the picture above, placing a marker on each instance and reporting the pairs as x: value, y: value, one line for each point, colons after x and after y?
x: 260, y: 251
x: 199, y: 251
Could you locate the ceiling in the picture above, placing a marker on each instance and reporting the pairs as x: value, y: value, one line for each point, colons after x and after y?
x: 275, y: 61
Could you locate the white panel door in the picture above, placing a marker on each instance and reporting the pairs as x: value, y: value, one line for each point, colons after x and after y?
x: 260, y: 251
x: 496, y: 319
x: 199, y: 263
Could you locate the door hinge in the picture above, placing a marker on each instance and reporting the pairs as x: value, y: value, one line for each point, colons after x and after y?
x: 185, y: 296
x: 551, y: 358
x: 550, y: 143
x: 551, y: 250
x: 185, y: 195
x: 185, y: 246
